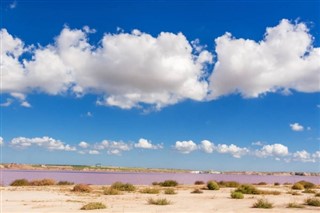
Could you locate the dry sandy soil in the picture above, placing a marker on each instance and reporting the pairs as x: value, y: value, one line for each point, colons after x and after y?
x: 61, y: 199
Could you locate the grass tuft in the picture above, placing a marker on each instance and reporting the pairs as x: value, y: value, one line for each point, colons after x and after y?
x: 168, y: 183
x: 170, y: 191
x: 92, y: 206
x: 229, y: 184
x: 150, y: 191
x: 313, y: 201
x: 295, y: 205
x: 297, y: 186
x: 199, y: 182
x: 247, y: 189
x: 65, y: 183
x: 82, y: 188
x: 111, y: 191
x: 128, y: 187
x: 197, y: 191
x: 262, y: 204
x: 43, y: 182
x: 159, y: 201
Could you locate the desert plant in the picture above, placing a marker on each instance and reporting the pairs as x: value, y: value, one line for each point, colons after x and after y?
x: 262, y: 183
x: 229, y: 184
x: 111, y: 191
x: 20, y: 182
x: 199, y: 182
x: 155, y: 183
x: 197, y: 191
x: 123, y: 186
x: 82, y: 188
x: 170, y: 191
x: 297, y: 186
x: 295, y: 205
x: 236, y: 195
x: 277, y: 184
x: 293, y: 193
x: 312, y: 201
x: 150, y: 191
x: 306, y: 184
x: 65, y: 183
x: 309, y: 191
x: 268, y: 192
x: 159, y: 201
x: 262, y: 204
x: 43, y: 182
x: 247, y: 189
x: 94, y: 205
x: 212, y: 185
x: 168, y: 183
x: 317, y: 194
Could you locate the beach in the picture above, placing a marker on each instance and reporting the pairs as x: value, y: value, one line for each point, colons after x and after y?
x: 63, y: 199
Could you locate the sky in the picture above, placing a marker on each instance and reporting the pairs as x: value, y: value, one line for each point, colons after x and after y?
x: 201, y: 85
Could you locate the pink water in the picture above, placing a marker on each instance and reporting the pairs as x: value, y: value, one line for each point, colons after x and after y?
x: 106, y: 178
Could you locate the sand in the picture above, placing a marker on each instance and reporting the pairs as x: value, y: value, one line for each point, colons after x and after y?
x: 61, y: 199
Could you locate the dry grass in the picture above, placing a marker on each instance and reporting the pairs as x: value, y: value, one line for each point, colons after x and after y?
x: 94, y: 205
x: 262, y: 204
x: 150, y: 191
x: 82, y: 188
x: 159, y: 201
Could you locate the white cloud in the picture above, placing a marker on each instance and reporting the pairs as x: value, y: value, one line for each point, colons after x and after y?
x: 207, y: 146
x: 44, y: 142
x: 145, y: 144
x: 303, y: 156
x: 1, y: 141
x: 274, y: 150
x: 13, y: 5
x: 296, y: 127
x: 89, y: 114
x: 94, y: 152
x: 285, y: 59
x: 257, y: 143
x: 185, y: 147
x: 232, y: 149
x: 127, y: 69
x: 113, y: 147
x: 83, y: 144
x: 8, y: 102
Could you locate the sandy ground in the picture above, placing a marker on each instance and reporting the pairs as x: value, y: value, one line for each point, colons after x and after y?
x: 61, y: 199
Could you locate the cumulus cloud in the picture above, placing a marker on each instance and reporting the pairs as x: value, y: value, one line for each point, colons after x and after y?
x: 145, y: 144
x: 296, y: 127
x: 232, y: 149
x: 83, y: 144
x: 127, y: 69
x: 185, y: 147
x: 44, y: 142
x: 207, y: 146
x: 302, y: 156
x: 285, y: 59
x: 113, y: 147
x: 1, y: 141
x: 94, y: 152
x: 273, y: 150
x: 257, y: 143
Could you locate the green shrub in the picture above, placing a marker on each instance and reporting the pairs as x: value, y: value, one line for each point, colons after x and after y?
x: 128, y: 187
x: 295, y: 205
x: 82, y: 188
x: 159, y: 201
x: 43, y: 182
x: 247, y: 189
x: 312, y: 201
x: 197, y: 191
x: 212, y: 185
x: 111, y: 191
x: 92, y: 206
x: 262, y: 204
x: 20, y: 182
x: 297, y: 186
x: 199, y: 182
x: 155, y: 183
x: 170, y: 191
x: 168, y: 183
x: 236, y: 195
x: 65, y: 183
x: 150, y: 191
x: 229, y: 184
x: 306, y: 184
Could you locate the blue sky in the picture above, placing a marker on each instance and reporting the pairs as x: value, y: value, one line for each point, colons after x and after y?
x: 222, y: 85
